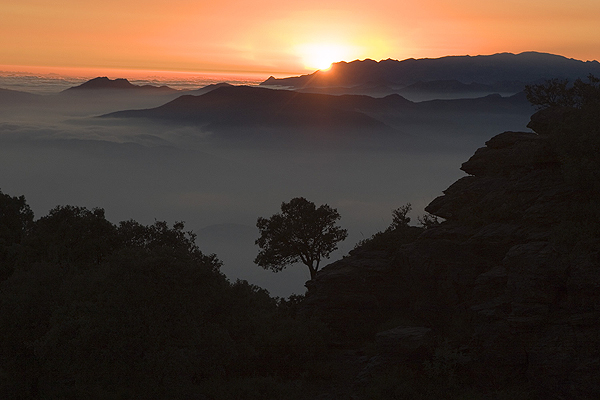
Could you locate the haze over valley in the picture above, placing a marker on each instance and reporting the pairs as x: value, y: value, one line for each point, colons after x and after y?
x: 220, y: 156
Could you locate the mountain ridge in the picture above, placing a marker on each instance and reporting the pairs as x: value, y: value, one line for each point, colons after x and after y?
x: 260, y: 108
x: 526, y: 67
x: 10, y: 97
x: 105, y: 83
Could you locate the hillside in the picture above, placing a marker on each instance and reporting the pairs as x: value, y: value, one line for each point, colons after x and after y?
x: 104, y: 83
x: 502, y: 295
x: 239, y: 112
x: 15, y: 98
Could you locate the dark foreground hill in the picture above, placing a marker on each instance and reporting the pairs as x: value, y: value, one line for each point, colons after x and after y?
x: 94, y: 310
x: 503, y: 296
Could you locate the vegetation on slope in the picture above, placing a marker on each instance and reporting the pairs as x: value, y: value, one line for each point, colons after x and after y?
x: 89, y: 309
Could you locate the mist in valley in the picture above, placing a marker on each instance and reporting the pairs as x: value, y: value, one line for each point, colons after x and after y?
x: 55, y: 150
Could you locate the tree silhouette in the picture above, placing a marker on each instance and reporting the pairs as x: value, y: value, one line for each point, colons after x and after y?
x: 74, y: 235
x: 16, y: 220
x: 300, y: 233
x: 559, y: 93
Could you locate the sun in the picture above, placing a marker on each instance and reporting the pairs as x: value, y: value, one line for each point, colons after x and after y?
x: 321, y: 55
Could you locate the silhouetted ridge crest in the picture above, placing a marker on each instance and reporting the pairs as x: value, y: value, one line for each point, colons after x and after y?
x: 10, y: 97
x: 208, y: 88
x: 115, y: 84
x: 528, y: 67
x: 253, y: 107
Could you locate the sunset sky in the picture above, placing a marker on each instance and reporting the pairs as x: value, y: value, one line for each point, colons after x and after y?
x: 285, y: 37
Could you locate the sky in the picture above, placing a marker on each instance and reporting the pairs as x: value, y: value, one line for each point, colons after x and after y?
x: 285, y: 37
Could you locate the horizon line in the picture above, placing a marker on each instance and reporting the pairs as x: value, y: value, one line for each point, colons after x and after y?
x: 86, y: 72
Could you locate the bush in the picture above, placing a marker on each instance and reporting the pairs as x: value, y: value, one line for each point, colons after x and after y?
x: 399, y: 232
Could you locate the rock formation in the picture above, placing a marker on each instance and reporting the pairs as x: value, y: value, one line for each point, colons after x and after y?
x: 490, y: 282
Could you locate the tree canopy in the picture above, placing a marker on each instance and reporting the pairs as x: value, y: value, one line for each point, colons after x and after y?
x: 570, y: 117
x: 96, y: 310
x: 559, y: 93
x: 16, y: 220
x: 302, y: 232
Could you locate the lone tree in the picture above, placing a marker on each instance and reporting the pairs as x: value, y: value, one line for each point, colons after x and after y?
x: 300, y: 233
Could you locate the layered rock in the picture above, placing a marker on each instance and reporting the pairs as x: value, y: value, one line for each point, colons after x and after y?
x: 490, y: 279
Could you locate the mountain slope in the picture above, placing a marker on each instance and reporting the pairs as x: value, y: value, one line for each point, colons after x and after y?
x: 249, y: 108
x: 10, y: 97
x: 488, y: 70
x: 237, y: 111
x: 503, y: 294
x: 104, y: 83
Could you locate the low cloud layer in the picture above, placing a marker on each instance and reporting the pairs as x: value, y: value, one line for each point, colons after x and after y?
x: 58, y: 153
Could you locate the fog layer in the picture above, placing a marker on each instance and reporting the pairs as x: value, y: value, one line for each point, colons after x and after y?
x: 55, y: 151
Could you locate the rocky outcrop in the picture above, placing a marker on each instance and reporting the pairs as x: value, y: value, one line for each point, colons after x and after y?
x: 489, y: 280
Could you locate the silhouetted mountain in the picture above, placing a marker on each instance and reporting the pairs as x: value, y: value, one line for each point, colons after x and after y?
x: 423, y: 91
x: 250, y: 108
x: 208, y: 88
x: 490, y: 103
x: 368, y: 89
x: 103, y: 83
x: 282, y: 112
x: 102, y: 95
x: 447, y: 86
x: 526, y: 67
x: 14, y: 97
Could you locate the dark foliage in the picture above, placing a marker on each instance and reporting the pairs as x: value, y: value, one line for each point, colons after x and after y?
x: 73, y: 236
x: 16, y: 220
x: 400, y: 216
x: 96, y: 310
x: 571, y: 119
x: 553, y: 93
x: 302, y: 232
x: 558, y: 93
x: 399, y: 232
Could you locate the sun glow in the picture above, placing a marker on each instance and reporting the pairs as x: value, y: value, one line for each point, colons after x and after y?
x: 322, y: 55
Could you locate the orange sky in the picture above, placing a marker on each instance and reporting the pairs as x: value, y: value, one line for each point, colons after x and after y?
x: 285, y: 37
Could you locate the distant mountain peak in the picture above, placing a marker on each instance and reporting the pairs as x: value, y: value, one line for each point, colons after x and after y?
x: 103, y: 83
x: 206, y: 89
